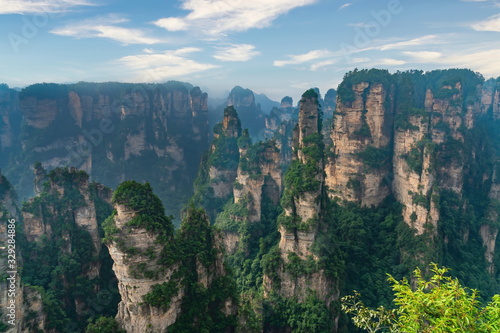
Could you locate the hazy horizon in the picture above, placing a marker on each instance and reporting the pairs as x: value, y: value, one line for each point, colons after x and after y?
x: 280, y: 48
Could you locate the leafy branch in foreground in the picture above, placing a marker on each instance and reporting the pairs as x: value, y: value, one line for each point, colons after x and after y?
x: 371, y: 320
x: 438, y: 305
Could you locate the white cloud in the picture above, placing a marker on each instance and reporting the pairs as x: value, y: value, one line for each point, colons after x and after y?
x: 302, y: 58
x: 217, y: 17
x: 39, y: 6
x: 344, y: 6
x: 322, y: 64
x: 424, y: 56
x: 359, y: 60
x: 482, y: 61
x: 104, y: 27
x: 236, y: 52
x: 424, y: 40
x: 492, y: 23
x: 381, y: 45
x: 161, y: 66
x: 362, y: 24
x: 391, y: 62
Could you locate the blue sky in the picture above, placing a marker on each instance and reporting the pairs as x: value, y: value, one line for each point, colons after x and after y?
x: 280, y: 47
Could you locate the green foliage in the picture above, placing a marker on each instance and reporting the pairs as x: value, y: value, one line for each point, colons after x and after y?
x: 415, y: 158
x: 45, y: 91
x: 352, y: 78
x: 110, y: 228
x: 364, y: 130
x: 354, y: 184
x: 195, y: 238
x: 420, y: 199
x: 255, y: 156
x: 358, y: 248
x: 226, y: 154
x: 468, y: 80
x: 232, y: 215
x: 244, y: 141
x: 149, y: 209
x: 313, y: 147
x: 301, y: 177
x: 445, y: 93
x: 104, y: 325
x: 458, y: 217
x: 201, y: 307
x: 271, y: 263
x: 439, y: 304
x: 309, y: 316
x: 58, y: 262
x: 54, y: 309
x: 255, y: 239
x: 373, y: 157
x: 310, y: 94
x: 161, y: 294
x: 299, y: 267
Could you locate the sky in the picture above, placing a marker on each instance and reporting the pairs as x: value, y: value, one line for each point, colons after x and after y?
x: 276, y: 47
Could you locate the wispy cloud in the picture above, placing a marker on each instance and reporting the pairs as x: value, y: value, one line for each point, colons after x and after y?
x: 423, y: 56
x: 236, y: 52
x: 362, y: 24
x: 419, y: 42
x: 344, y: 6
x: 323, y: 64
x: 302, y: 58
x: 159, y: 66
x: 39, y: 6
x: 391, y: 62
x: 424, y: 40
x: 105, y: 27
x: 218, y: 17
x: 479, y: 61
x: 492, y: 23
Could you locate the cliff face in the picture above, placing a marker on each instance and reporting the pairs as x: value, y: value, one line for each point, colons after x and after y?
x: 10, y: 118
x: 279, y: 126
x: 64, y: 259
x: 110, y: 129
x: 250, y: 114
x: 362, y: 133
x: 219, y: 166
x: 156, y: 271
x: 137, y: 274
x: 366, y: 138
x: 418, y: 168
x: 259, y: 174
x: 329, y: 103
x: 426, y: 139
x: 301, y: 219
x: 258, y: 184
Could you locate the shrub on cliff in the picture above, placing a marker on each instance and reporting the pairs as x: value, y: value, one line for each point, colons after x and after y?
x: 149, y: 208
